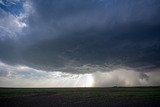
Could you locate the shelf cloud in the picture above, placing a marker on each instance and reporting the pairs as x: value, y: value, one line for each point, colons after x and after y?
x: 81, y: 36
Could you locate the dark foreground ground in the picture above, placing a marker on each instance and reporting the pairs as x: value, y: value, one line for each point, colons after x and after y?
x: 80, y: 97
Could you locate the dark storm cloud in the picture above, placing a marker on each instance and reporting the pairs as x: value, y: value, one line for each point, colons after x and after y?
x: 89, y: 35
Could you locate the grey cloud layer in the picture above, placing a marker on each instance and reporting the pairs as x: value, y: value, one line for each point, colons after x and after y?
x: 122, y: 77
x: 23, y: 76
x: 81, y: 36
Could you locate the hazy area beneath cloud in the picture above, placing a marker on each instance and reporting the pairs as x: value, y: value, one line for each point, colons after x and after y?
x: 109, y: 39
x: 23, y: 76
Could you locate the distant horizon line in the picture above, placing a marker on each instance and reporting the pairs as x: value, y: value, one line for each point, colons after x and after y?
x: 92, y: 87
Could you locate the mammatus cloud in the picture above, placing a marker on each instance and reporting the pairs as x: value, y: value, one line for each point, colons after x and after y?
x: 82, y: 36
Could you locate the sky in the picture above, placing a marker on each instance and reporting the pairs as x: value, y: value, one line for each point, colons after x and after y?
x: 79, y: 43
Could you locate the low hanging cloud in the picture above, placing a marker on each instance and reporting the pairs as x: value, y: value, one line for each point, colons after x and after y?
x: 82, y: 36
x: 24, y: 76
x: 123, y: 77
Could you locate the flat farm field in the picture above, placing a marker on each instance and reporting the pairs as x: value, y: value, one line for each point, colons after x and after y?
x: 80, y: 97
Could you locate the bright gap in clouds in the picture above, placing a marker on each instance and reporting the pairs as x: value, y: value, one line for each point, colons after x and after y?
x: 15, y: 15
x: 23, y: 76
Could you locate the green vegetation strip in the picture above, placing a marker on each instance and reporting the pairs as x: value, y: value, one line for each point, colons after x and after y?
x: 114, y: 91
